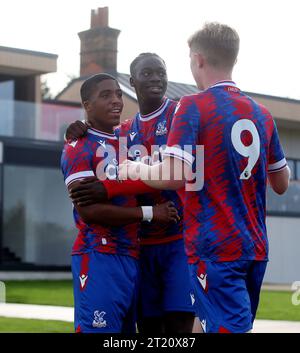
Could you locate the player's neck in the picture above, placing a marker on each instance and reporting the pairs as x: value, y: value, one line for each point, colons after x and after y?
x: 148, y: 107
x: 102, y: 128
x: 213, y: 77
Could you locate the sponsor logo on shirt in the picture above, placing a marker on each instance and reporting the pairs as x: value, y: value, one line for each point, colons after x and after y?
x: 202, y: 280
x: 83, y: 279
x: 102, y: 143
x: 132, y: 135
x: 73, y: 143
x: 192, y: 298
x: 203, y: 324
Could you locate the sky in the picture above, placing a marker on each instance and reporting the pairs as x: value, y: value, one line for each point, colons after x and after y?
x: 268, y: 62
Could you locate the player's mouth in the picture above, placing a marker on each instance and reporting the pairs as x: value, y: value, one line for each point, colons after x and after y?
x: 116, y: 111
x: 155, y: 89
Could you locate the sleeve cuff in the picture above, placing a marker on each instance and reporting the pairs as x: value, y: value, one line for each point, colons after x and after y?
x: 178, y: 153
x: 77, y: 176
x: 275, y: 167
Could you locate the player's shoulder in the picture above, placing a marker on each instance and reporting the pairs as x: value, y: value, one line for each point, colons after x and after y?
x: 188, y: 101
x: 171, y: 103
x: 75, y: 146
x: 124, y: 127
x: 265, y: 111
x: 189, y: 98
x: 192, y: 98
x: 255, y: 103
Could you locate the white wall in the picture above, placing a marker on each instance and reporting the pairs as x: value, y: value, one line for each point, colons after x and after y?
x: 290, y: 140
x: 284, y: 254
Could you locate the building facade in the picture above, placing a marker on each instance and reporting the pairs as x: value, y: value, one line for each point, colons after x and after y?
x: 36, y: 227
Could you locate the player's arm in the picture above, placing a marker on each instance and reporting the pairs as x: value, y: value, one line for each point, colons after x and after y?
x: 75, y: 169
x: 167, y: 175
x: 279, y: 180
x: 278, y: 170
x: 179, y: 154
x: 91, y: 190
x: 111, y: 215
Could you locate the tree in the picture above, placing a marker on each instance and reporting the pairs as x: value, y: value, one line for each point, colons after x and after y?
x: 45, y: 90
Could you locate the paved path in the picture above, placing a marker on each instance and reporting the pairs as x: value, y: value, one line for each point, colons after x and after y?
x: 61, y: 313
x: 42, y: 312
x: 273, y: 326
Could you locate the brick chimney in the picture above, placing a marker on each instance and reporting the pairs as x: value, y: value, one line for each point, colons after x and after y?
x: 99, y: 45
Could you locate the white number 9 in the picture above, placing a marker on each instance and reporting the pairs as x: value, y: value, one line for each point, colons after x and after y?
x: 252, y: 151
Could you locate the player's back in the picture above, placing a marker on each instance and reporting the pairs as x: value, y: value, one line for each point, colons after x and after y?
x: 225, y: 221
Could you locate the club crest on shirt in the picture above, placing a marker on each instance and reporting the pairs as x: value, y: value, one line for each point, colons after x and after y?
x: 161, y: 128
x: 98, y: 319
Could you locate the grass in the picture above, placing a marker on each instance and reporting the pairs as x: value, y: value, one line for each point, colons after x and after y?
x: 274, y: 305
x: 40, y: 292
x: 11, y: 325
x: 277, y: 306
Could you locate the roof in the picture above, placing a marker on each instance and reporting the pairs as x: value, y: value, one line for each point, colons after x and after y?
x: 175, y: 90
x: 21, y: 62
x: 29, y: 52
x: 285, y: 109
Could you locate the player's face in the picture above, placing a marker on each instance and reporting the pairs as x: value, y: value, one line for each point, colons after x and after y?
x: 150, y: 79
x: 105, y: 105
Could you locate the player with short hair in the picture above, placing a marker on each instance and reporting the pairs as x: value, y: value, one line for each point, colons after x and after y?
x: 165, y: 301
x: 105, y: 252
x: 225, y: 231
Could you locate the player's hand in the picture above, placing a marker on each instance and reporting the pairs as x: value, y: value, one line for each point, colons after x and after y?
x: 129, y: 170
x: 165, y: 213
x: 76, y: 130
x: 88, y: 192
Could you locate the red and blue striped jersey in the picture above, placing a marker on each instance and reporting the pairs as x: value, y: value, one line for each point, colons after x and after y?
x: 225, y: 220
x: 97, y: 154
x: 146, y: 137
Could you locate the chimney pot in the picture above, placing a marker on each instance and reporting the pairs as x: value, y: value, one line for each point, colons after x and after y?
x: 99, y: 45
x: 99, y: 17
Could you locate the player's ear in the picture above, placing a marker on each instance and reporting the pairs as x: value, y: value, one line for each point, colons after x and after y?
x: 131, y: 81
x: 86, y: 105
x: 200, y: 60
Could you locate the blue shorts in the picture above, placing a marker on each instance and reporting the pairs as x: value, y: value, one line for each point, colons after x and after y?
x: 165, y: 282
x: 105, y: 292
x: 227, y: 294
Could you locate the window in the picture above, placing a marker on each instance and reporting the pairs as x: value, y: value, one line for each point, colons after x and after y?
x: 298, y: 170
x: 7, y: 89
x: 37, y: 227
x: 289, y: 202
